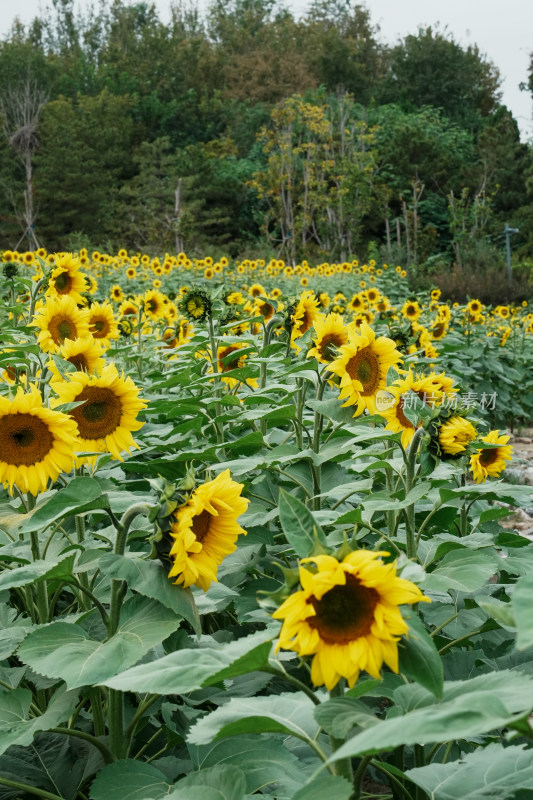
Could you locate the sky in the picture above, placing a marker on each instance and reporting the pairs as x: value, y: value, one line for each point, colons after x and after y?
x: 502, y: 29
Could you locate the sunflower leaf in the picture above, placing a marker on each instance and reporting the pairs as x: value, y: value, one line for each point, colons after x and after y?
x: 16, y: 725
x: 331, y: 786
x: 521, y: 607
x: 418, y: 656
x: 129, y: 780
x: 82, y: 494
x: 299, y: 526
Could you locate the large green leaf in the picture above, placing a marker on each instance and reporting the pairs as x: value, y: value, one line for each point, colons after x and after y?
x: 265, y: 761
x: 16, y: 726
x: 29, y: 573
x: 469, y: 708
x: 129, y: 780
x: 82, y: 494
x: 299, y: 525
x: 67, y: 652
x: 284, y: 713
x: 418, y: 656
x: 331, y: 786
x: 491, y: 773
x: 462, y: 570
x: 223, y: 781
x: 188, y: 670
x: 522, y: 603
x: 340, y: 714
x: 149, y: 577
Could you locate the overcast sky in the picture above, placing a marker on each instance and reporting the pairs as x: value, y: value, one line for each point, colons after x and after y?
x: 502, y: 29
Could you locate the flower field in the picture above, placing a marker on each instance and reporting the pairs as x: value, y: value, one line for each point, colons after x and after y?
x: 251, y: 533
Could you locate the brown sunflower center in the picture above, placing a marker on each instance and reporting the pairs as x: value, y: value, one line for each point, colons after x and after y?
x: 24, y: 439
x: 345, y: 612
x: 329, y: 344
x: 200, y: 525
x: 364, y: 367
x: 63, y: 283
x: 61, y: 327
x: 151, y: 306
x: 225, y: 367
x: 488, y: 456
x: 99, y: 327
x: 80, y: 362
x: 100, y: 413
x: 400, y: 416
x: 410, y: 311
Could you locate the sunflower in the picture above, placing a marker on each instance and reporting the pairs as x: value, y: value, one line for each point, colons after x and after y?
x: 154, y: 304
x: 102, y: 323
x: 196, y: 305
x: 346, y: 616
x: 331, y: 334
x: 108, y: 411
x: 60, y: 319
x: 117, y: 294
x: 85, y: 354
x: 455, y: 435
x: 303, y: 316
x: 36, y: 444
x: 362, y: 366
x: 393, y: 411
x: 439, y: 329
x: 206, y: 530
x: 66, y: 278
x: 474, y: 307
x: 411, y: 309
x: 493, y: 460
x: 131, y: 273
x: 226, y: 364
x: 128, y: 309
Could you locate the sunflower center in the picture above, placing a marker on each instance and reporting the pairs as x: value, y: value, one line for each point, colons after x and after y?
x: 329, y: 344
x: 345, y: 612
x: 80, y: 362
x: 201, y: 524
x: 99, y: 328
x: 488, y: 456
x: 364, y: 367
x: 24, y: 439
x: 61, y: 328
x: 400, y: 416
x: 152, y: 306
x: 100, y: 414
x: 63, y: 283
x: 222, y: 367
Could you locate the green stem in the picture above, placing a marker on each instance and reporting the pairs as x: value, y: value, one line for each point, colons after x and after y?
x: 464, y: 512
x: 410, y: 480
x: 359, y: 775
x: 280, y: 673
x: 343, y: 766
x: 381, y: 767
x: 213, y: 344
x: 459, y: 640
x: 139, y: 341
x: 97, y: 712
x: 263, y: 368
x: 41, y: 589
x: 77, y: 734
x: 26, y: 789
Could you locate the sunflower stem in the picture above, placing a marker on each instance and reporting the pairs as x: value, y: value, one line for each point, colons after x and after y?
x: 218, y: 383
x: 41, y: 589
x: 464, y: 510
x: 343, y: 766
x: 410, y: 480
x: 263, y: 368
x: 27, y: 789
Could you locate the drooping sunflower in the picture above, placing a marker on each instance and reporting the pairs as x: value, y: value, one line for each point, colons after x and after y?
x: 491, y: 461
x: 346, y: 616
x: 206, y: 531
x: 455, y: 435
x: 67, y: 279
x: 85, y: 354
x: 331, y: 333
x: 60, y: 319
x: 362, y: 366
x: 108, y: 412
x: 102, y: 323
x: 36, y: 443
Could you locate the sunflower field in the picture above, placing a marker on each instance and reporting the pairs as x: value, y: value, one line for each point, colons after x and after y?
x: 256, y: 533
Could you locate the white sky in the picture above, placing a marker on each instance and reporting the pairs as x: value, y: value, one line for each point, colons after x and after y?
x: 502, y: 29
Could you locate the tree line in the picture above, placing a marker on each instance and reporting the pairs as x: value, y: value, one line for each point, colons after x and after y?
x: 246, y: 130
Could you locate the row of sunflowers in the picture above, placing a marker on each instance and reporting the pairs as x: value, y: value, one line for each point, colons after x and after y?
x: 250, y: 528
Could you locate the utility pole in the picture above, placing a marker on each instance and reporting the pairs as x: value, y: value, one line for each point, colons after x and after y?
x: 508, y: 232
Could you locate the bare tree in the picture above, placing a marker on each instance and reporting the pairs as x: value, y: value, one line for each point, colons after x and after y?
x: 21, y: 105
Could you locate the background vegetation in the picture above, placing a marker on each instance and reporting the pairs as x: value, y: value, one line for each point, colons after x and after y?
x: 246, y: 130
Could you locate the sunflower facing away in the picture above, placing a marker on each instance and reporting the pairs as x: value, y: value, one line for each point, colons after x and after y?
x: 362, y: 366
x: 206, y: 530
x: 108, y: 414
x: 346, y: 616
x: 60, y: 319
x: 303, y: 316
x: 36, y: 444
x: 491, y: 461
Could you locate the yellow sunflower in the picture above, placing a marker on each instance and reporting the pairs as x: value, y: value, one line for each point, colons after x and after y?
x: 60, y: 319
x: 411, y: 309
x: 85, y: 354
x: 455, y: 435
x: 117, y: 294
x: 226, y: 364
x: 491, y: 461
x: 108, y: 414
x: 36, y: 443
x: 66, y: 278
x: 128, y: 309
x: 331, y: 334
x: 362, y: 366
x: 393, y: 411
x: 206, y: 531
x: 304, y: 315
x: 346, y: 616
x: 102, y: 323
